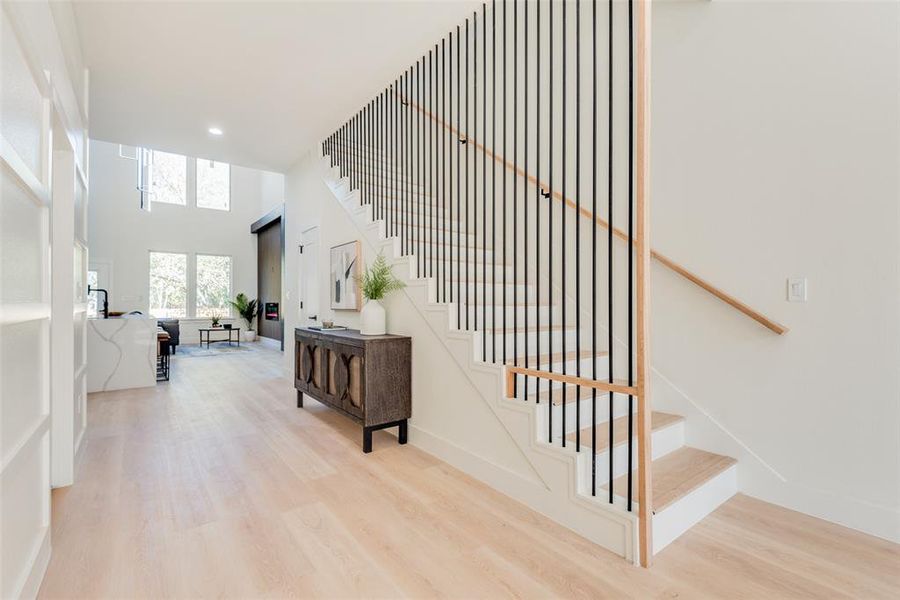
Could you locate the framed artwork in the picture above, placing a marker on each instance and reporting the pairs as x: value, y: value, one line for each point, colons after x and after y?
x: 345, y: 265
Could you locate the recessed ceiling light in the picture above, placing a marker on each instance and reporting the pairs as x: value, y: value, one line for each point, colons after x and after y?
x: 215, y: 131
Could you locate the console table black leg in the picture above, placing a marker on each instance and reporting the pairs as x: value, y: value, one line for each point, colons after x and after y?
x: 401, y: 435
x: 299, y: 399
x: 367, y: 439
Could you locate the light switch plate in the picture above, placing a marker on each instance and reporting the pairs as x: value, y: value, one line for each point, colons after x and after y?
x: 796, y: 289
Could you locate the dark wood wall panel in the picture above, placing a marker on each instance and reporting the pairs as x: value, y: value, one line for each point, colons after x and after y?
x: 268, y: 272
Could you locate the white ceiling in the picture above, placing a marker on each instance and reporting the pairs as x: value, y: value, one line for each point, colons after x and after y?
x: 275, y: 76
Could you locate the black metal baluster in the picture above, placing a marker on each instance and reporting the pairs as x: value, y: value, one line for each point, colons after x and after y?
x: 444, y: 143
x: 525, y: 208
x: 578, y: 223
x: 594, y: 67
x: 457, y: 142
x: 505, y: 199
x: 483, y: 182
x: 466, y: 136
x: 537, y: 201
x: 453, y: 145
x: 410, y: 180
x: 549, y: 198
x: 432, y: 141
x: 562, y: 222
x: 630, y: 242
x: 494, y: 181
x: 420, y: 168
x: 404, y: 165
x: 610, y: 254
x: 474, y: 209
x: 413, y: 194
x: 515, y: 193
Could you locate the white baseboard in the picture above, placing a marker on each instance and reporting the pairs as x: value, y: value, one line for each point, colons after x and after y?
x: 39, y: 563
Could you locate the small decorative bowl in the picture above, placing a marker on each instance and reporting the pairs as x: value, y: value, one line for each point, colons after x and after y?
x: 327, y: 324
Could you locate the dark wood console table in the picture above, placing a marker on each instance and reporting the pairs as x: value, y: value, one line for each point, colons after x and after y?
x: 366, y: 377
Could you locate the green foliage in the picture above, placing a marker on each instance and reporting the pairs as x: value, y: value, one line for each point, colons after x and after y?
x: 248, y: 309
x: 378, y: 280
x: 216, y: 317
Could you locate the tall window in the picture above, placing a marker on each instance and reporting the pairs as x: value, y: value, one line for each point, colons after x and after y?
x: 168, y: 285
x: 213, y: 184
x: 169, y: 178
x: 213, y: 285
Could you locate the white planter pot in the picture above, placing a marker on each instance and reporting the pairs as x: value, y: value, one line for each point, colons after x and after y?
x: 372, y: 318
x: 249, y: 336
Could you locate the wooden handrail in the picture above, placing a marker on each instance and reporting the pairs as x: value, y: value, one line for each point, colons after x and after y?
x: 603, y: 386
x: 725, y: 297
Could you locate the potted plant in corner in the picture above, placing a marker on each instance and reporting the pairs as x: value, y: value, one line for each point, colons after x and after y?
x: 376, y: 282
x: 247, y: 309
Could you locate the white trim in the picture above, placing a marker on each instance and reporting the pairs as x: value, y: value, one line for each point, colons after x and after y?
x: 40, y: 560
x: 26, y: 177
x: 34, y: 434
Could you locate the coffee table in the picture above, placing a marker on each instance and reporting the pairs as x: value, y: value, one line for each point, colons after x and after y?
x: 209, y: 330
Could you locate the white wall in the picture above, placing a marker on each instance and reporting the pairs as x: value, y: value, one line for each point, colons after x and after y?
x: 759, y: 152
x: 43, y: 153
x: 121, y: 235
x: 776, y: 129
x: 447, y: 411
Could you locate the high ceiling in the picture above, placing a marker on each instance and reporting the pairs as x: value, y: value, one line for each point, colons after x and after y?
x: 274, y: 76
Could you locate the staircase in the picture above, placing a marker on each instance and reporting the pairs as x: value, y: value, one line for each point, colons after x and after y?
x: 555, y: 425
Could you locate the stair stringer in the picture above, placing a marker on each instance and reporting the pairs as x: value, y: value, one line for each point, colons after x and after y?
x: 557, y: 468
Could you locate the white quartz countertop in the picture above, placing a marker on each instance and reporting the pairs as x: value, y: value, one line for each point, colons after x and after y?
x: 121, y: 353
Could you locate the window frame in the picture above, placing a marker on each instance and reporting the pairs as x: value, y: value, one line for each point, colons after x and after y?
x: 187, y: 179
x: 196, y: 184
x: 187, y: 282
x: 229, y: 311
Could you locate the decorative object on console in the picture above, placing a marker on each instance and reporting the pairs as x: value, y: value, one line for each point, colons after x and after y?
x: 377, y: 282
x: 368, y: 378
x: 248, y: 310
x: 216, y: 317
x: 345, y: 263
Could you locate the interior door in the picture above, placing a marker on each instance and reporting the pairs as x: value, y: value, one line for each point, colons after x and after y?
x: 308, y: 279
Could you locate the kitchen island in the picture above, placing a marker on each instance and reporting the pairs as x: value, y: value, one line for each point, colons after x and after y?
x: 121, y: 353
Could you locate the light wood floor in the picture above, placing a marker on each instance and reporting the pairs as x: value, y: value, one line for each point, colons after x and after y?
x: 216, y: 485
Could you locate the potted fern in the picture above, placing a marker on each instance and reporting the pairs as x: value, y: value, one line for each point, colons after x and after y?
x: 247, y: 309
x: 376, y: 282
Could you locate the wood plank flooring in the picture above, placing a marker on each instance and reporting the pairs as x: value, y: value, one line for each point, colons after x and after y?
x: 216, y: 485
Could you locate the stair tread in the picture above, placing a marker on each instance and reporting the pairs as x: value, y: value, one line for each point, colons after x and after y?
x: 658, y: 421
x: 678, y: 473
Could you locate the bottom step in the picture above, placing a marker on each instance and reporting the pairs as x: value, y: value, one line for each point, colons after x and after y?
x: 687, y: 485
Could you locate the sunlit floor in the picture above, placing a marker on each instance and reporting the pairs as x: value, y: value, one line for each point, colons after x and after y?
x: 215, y: 484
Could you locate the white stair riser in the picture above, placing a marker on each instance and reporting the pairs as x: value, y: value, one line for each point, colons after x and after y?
x: 451, y: 250
x: 437, y: 267
x: 517, y: 313
x: 532, y: 342
x: 460, y: 287
x: 663, y: 441
x: 690, y: 509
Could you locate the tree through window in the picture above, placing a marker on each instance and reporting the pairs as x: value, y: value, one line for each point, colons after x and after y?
x: 168, y: 285
x: 213, y: 285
